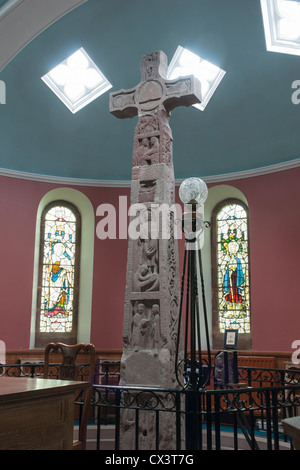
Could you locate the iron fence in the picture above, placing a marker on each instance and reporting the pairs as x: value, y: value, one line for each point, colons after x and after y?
x: 243, y: 418
x: 247, y: 415
x: 105, y: 372
x: 108, y: 373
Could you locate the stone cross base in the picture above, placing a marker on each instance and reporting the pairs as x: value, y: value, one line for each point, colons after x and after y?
x: 155, y: 430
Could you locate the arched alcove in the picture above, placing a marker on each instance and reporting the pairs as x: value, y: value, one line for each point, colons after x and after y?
x: 216, y: 194
x: 85, y: 209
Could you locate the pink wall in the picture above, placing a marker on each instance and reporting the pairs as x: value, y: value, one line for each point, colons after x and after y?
x: 274, y: 208
x: 109, y: 278
x: 274, y: 213
x: 19, y: 201
x: 17, y: 215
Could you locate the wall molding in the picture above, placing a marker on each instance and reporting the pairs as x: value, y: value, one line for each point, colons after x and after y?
x: 23, y: 20
x: 251, y: 173
x: 221, y: 178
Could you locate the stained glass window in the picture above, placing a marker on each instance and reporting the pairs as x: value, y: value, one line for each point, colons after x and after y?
x: 57, y: 308
x: 233, y: 268
x: 232, y: 286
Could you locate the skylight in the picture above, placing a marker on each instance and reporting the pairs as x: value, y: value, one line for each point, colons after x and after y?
x: 281, y: 20
x: 185, y: 62
x: 77, y: 81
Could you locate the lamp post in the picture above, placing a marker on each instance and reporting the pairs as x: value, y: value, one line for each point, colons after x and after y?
x: 192, y: 370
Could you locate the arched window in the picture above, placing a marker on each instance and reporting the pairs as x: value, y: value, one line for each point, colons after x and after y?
x: 230, y: 272
x: 58, y: 278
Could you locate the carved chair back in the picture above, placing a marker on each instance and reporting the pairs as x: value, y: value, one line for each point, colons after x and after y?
x: 70, y: 369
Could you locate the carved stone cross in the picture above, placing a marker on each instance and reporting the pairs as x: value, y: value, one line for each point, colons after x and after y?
x: 152, y: 296
x: 155, y: 90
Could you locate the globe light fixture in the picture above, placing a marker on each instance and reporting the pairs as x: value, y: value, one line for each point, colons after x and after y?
x: 193, y: 190
x: 193, y: 193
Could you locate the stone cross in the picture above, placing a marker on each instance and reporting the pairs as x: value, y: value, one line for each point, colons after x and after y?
x: 155, y: 90
x: 152, y: 294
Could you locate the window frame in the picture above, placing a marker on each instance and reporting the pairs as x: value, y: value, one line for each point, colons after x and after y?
x: 245, y: 339
x: 42, y: 338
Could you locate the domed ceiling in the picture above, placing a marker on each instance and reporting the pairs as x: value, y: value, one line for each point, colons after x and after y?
x: 250, y: 124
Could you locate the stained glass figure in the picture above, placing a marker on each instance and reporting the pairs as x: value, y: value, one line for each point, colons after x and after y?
x: 233, y: 268
x: 58, y: 270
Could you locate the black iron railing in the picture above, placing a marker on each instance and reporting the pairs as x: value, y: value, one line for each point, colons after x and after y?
x: 108, y: 373
x: 105, y: 372
x: 247, y: 415
x: 227, y: 418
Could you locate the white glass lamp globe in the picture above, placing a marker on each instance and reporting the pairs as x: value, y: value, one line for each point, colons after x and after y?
x: 193, y: 190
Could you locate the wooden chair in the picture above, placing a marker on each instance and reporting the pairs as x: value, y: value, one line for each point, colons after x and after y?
x: 69, y: 370
x: 292, y: 377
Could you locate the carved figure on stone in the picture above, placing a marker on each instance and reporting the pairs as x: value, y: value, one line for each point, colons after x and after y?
x: 149, y: 66
x: 153, y: 154
x: 145, y: 333
x: 139, y: 315
x: 146, y: 272
x: 147, y: 191
x: 143, y: 151
x: 144, y: 280
x: 147, y: 242
x: 148, y: 151
x: 149, y: 253
x: 156, y: 326
x: 147, y: 125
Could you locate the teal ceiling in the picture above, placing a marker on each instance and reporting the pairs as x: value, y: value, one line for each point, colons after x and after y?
x: 250, y: 122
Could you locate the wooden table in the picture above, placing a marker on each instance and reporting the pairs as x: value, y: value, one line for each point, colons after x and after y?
x: 291, y: 428
x: 37, y: 413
